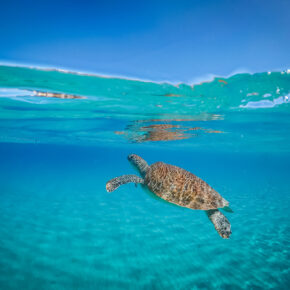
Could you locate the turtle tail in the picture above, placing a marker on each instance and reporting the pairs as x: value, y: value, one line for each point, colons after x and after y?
x: 220, y: 222
x: 139, y: 163
x: 114, y: 183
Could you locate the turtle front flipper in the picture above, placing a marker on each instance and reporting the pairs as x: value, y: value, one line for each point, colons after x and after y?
x: 114, y: 183
x: 138, y: 163
x: 220, y: 222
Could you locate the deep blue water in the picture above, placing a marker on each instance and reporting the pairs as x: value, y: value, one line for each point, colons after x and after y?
x: 60, y: 229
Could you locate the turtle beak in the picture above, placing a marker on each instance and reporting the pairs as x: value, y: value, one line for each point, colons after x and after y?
x: 108, y: 187
x: 131, y: 156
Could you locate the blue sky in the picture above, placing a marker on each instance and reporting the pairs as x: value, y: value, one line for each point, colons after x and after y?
x: 159, y: 40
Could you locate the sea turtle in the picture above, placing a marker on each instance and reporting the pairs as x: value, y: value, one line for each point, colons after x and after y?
x: 178, y: 186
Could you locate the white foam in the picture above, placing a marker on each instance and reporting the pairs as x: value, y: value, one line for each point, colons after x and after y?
x: 267, y: 95
x: 11, y: 92
x: 266, y: 103
x: 26, y: 96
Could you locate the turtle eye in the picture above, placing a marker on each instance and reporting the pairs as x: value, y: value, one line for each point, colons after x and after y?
x: 131, y: 156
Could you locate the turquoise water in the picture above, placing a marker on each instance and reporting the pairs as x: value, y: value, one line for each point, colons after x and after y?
x: 60, y: 229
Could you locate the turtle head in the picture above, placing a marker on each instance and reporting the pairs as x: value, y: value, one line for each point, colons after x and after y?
x: 110, y: 186
x: 139, y: 163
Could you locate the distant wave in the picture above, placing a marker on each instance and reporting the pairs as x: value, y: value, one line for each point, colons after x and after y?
x: 243, y: 90
x: 85, y: 73
x: 195, y: 81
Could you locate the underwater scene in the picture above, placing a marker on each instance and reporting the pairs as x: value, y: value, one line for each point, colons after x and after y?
x: 64, y: 135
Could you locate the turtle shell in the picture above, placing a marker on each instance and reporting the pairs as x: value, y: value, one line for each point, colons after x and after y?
x: 182, y: 188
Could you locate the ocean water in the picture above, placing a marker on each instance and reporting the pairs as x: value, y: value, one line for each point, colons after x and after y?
x: 64, y: 135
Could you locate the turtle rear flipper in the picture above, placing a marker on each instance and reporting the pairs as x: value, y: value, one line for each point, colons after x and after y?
x: 114, y: 183
x: 220, y: 222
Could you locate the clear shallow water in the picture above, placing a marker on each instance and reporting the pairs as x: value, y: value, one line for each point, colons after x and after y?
x: 60, y: 229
